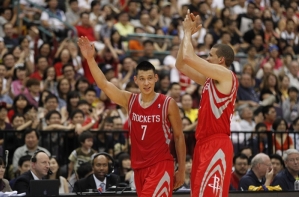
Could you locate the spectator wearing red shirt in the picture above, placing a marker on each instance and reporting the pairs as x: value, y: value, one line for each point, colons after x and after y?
x: 41, y: 65
x: 85, y: 29
x: 240, y: 169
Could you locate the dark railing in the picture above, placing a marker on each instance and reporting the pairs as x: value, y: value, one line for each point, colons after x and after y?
x: 62, y: 143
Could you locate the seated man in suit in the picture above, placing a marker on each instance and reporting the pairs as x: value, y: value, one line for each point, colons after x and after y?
x: 102, y: 178
x: 40, y: 166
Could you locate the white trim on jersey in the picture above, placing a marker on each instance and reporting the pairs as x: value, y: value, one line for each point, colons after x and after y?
x: 217, y: 111
x: 162, y: 188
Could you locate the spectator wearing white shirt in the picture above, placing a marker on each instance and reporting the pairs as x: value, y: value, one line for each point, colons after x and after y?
x: 295, y: 135
x: 247, y: 124
x: 293, y: 73
x: 55, y: 20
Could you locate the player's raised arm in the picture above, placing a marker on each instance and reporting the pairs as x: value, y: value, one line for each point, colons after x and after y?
x: 212, y: 70
x: 181, y: 65
x: 116, y: 95
x: 179, y: 140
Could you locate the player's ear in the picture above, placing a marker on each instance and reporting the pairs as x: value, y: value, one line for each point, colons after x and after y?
x: 156, y: 77
x: 221, y: 60
x: 135, y: 80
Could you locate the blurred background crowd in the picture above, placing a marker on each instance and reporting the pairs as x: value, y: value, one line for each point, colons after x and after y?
x: 49, y: 100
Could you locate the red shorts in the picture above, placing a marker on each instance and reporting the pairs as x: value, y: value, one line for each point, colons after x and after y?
x: 155, y: 180
x: 212, y: 167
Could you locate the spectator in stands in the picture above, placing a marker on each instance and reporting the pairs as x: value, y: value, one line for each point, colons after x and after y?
x: 84, y: 170
x: 175, y: 92
x: 73, y: 13
x: 118, y: 137
x: 18, y: 85
x: 259, y: 140
x: 103, y: 141
x: 145, y: 23
x: 9, y: 39
x: 295, y: 125
x: 54, y: 24
x: 270, y: 87
x: 292, y: 73
x: 124, y: 170
x: 31, y: 137
x: 55, y: 168
x: 245, y: 19
x: 277, y: 164
x: 4, y: 184
x: 9, y: 62
x: 69, y: 73
x: 63, y: 87
x: 186, y: 100
x: 260, y: 174
x: 165, y: 16
x: 90, y: 96
x: 286, y: 178
x: 123, y: 26
x: 81, y: 154
x: 24, y: 166
x: 20, y: 102
x: 30, y: 114
x: 81, y: 86
x: 49, y: 80
x: 101, y: 179
x: 33, y: 86
x: 77, y: 121
x: 284, y: 84
x: 53, y: 120
x: 72, y: 100
x: 247, y: 151
x: 269, y: 113
x: 39, y: 168
x: 4, y: 96
x: 247, y: 124
x: 256, y: 30
x: 41, y: 65
x: 63, y: 58
x: 246, y: 94
x: 281, y: 140
x: 240, y: 162
x: 169, y: 63
x: 85, y: 28
x: 290, y: 106
x: 133, y: 11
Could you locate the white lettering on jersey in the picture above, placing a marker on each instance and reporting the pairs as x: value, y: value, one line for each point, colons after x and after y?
x: 145, y: 119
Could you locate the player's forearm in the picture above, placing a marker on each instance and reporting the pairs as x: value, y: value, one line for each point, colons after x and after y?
x: 187, y: 49
x: 180, y: 148
x: 96, y: 72
x: 179, y: 59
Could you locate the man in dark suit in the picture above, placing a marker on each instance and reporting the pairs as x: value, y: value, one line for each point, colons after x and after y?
x: 40, y: 165
x: 102, y: 177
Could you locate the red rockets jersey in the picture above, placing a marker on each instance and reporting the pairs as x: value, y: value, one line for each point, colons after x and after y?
x: 215, y: 110
x: 150, y: 131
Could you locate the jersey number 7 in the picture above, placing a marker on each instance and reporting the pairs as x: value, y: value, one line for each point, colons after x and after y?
x: 144, y: 130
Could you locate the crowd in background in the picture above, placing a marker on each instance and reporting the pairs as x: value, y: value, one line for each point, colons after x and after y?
x: 46, y: 85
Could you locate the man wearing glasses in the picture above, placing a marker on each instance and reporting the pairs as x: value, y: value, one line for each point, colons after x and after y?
x: 260, y: 174
x: 287, y: 177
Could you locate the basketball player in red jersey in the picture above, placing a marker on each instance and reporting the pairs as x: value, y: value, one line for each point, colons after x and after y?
x: 151, y: 118
x: 212, y: 159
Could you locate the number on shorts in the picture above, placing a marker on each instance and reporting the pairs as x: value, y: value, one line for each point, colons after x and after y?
x: 144, y: 130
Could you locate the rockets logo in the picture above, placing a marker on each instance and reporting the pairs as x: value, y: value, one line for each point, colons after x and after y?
x: 210, y: 179
x: 159, y: 106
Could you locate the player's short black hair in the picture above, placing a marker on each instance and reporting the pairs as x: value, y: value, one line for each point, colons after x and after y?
x: 224, y: 50
x: 145, y: 66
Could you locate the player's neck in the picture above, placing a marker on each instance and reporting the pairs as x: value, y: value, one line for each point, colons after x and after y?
x: 148, y: 98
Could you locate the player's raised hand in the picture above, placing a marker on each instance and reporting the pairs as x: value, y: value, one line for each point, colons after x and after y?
x: 179, y: 179
x: 87, y: 48
x: 191, y: 23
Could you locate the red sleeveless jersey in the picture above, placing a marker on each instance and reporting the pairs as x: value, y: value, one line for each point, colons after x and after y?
x: 150, y: 131
x: 215, y: 110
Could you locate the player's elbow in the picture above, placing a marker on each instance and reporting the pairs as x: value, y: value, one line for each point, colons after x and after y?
x: 187, y: 58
